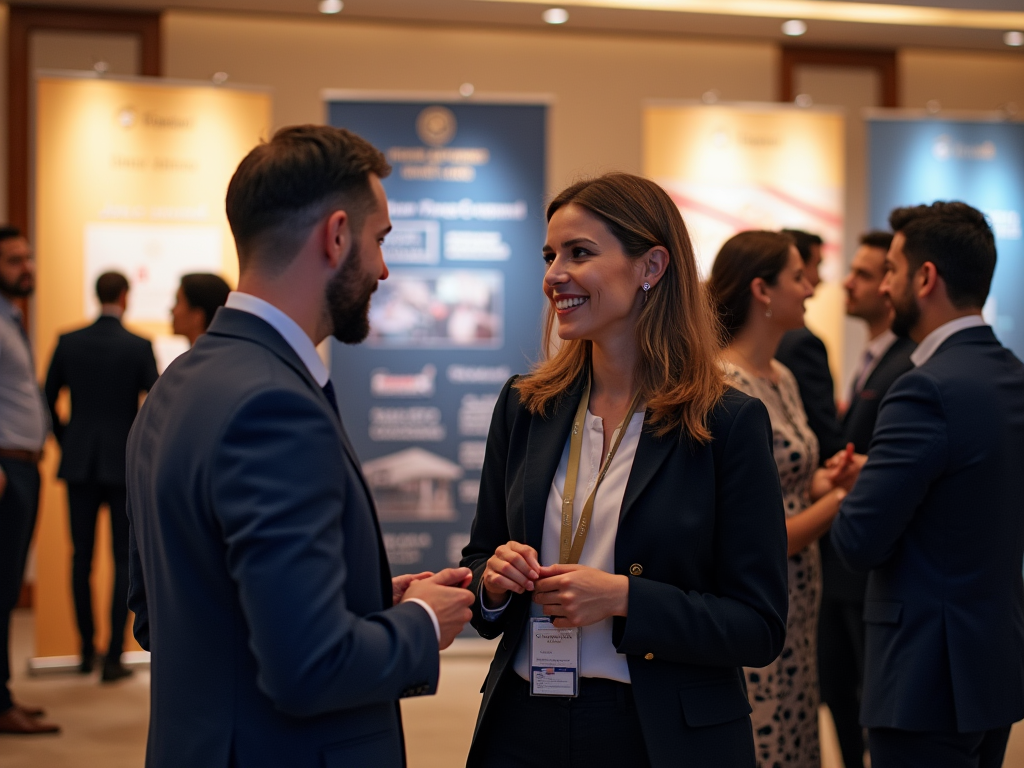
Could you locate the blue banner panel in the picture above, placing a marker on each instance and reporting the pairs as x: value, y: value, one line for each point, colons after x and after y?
x: 460, y: 312
x: 980, y: 163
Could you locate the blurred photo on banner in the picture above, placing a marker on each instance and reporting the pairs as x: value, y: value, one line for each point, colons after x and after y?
x: 915, y: 160
x: 459, y: 313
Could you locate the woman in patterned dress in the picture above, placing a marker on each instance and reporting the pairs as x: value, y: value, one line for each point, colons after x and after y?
x: 759, y: 287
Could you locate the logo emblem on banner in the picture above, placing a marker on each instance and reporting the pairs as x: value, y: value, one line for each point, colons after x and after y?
x: 126, y: 117
x: 436, y: 126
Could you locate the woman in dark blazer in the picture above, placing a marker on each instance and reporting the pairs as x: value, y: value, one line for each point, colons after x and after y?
x: 681, y: 580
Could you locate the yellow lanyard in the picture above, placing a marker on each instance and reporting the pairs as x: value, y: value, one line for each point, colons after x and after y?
x: 571, y: 547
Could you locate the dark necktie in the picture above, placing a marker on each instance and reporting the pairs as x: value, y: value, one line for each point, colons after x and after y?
x: 328, y: 389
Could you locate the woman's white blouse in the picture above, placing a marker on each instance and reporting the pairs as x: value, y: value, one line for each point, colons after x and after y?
x: 598, y: 657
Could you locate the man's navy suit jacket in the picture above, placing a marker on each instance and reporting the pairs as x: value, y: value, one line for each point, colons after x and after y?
x: 838, y: 581
x: 937, y: 516
x: 257, y: 571
x: 106, y: 368
x: 805, y: 355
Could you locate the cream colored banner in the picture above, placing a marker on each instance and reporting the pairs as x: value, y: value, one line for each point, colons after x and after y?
x: 735, y: 167
x: 129, y: 175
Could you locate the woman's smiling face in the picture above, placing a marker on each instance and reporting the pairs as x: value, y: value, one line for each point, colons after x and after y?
x: 593, y: 286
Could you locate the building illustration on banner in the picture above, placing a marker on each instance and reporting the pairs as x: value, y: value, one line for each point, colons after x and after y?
x: 413, y: 485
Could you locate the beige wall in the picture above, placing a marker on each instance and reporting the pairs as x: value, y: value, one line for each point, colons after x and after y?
x: 962, y: 80
x: 598, y: 81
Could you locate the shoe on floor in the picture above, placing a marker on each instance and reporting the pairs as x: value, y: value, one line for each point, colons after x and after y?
x: 30, y: 710
x: 115, y: 671
x: 16, y: 721
x: 87, y: 663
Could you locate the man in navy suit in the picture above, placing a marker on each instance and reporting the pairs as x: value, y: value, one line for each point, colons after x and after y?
x: 105, y: 368
x: 258, y: 573
x: 840, y: 617
x: 936, y: 513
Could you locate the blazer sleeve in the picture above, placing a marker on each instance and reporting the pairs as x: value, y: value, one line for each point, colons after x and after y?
x: 908, y: 451
x: 55, y: 381
x: 137, y: 587
x: 743, y: 620
x: 490, y: 524
x: 279, y: 491
x: 807, y: 358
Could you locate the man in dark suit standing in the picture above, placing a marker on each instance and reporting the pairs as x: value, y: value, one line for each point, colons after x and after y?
x: 259, y: 578
x: 840, y: 619
x: 936, y: 512
x: 805, y: 355
x: 106, y: 369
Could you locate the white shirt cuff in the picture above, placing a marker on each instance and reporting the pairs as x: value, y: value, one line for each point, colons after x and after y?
x: 491, y: 614
x: 430, y: 613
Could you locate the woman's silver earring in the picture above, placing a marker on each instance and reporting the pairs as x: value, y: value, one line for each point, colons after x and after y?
x: 768, y: 311
x: 646, y: 287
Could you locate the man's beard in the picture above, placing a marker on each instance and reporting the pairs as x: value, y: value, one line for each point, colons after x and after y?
x: 21, y: 289
x: 348, y: 300
x: 906, y: 314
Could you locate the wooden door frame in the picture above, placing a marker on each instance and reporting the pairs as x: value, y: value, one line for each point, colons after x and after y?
x: 884, y: 61
x: 23, y: 20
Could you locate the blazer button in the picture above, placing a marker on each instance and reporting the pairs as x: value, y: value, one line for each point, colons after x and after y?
x: 636, y: 569
x: 649, y: 656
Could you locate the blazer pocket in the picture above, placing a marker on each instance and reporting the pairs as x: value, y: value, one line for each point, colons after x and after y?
x: 713, y: 704
x: 882, y: 612
x: 380, y: 748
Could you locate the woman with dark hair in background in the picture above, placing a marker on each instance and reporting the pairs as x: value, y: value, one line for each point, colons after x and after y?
x: 630, y: 497
x: 198, y: 298
x: 759, y: 286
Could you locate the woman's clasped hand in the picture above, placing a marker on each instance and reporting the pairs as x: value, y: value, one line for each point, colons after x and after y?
x: 574, y: 595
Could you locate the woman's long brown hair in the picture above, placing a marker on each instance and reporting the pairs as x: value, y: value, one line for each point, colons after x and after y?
x: 678, y: 335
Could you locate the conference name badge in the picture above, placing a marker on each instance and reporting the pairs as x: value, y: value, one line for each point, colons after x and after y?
x: 554, y: 659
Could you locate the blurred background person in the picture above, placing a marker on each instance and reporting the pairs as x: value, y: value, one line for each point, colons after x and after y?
x: 759, y: 284
x: 105, y: 369
x: 806, y: 357
x: 840, y: 620
x: 936, y: 513
x: 24, y: 425
x: 199, y: 296
x: 679, y: 575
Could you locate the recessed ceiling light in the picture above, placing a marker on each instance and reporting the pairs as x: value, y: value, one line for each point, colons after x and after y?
x: 330, y: 6
x: 794, y: 27
x: 555, y: 15
x: 1015, y: 38
x: 466, y: 90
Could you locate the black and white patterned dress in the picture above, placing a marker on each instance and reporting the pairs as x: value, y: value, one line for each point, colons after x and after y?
x: 784, y: 695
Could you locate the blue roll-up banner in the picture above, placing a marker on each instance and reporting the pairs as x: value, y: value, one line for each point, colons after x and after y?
x: 460, y: 312
x: 914, y: 161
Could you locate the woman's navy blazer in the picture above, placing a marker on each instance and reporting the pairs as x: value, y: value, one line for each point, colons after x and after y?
x: 702, y: 540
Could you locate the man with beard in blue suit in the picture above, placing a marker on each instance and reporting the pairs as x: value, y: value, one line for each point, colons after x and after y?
x: 258, y: 573
x: 936, y: 513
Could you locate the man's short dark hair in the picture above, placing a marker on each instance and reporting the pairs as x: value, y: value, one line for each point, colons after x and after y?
x: 877, y: 239
x: 957, y: 239
x: 803, y: 241
x: 8, y: 232
x: 205, y: 291
x: 285, y: 186
x: 110, y: 286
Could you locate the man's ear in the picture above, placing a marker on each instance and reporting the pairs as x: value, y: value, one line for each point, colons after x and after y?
x: 655, y: 263
x: 337, y: 238
x: 928, y: 276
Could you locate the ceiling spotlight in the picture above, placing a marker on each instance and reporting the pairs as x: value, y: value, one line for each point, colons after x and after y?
x: 219, y: 78
x: 1015, y: 38
x: 555, y: 15
x: 330, y: 6
x: 804, y: 100
x: 466, y: 90
x: 794, y: 27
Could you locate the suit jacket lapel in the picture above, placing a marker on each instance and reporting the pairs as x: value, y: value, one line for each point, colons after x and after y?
x: 651, y: 453
x: 543, y: 452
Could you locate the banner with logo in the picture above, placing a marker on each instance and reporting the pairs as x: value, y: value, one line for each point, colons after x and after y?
x: 130, y: 175
x: 459, y: 313
x: 733, y: 167
x: 915, y: 160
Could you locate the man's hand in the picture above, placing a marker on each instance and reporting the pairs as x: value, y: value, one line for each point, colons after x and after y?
x: 401, y: 583
x: 445, y: 592
x: 577, y: 595
x: 513, y: 567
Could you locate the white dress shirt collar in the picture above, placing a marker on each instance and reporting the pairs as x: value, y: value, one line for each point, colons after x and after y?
x: 931, y: 343
x: 288, y: 328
